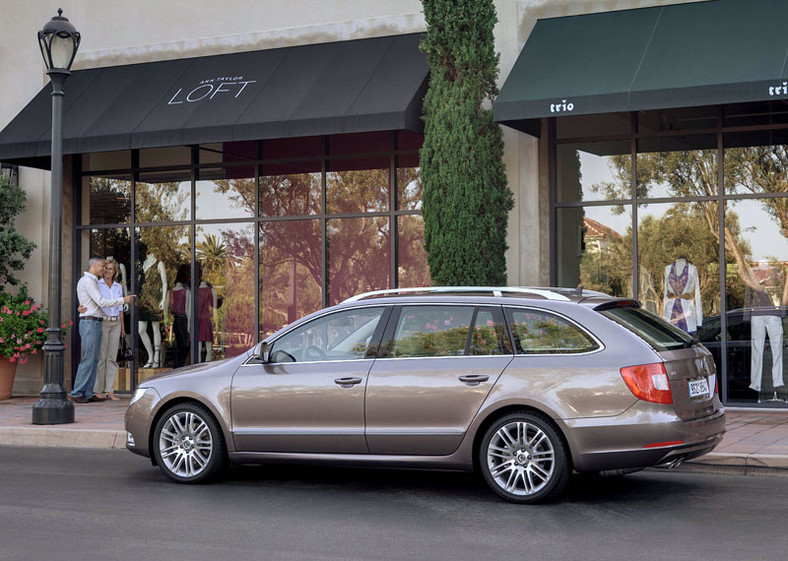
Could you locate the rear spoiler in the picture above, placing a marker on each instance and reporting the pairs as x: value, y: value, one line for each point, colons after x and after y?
x: 617, y: 303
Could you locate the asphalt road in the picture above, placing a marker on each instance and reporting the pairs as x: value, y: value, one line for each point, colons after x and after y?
x: 84, y: 505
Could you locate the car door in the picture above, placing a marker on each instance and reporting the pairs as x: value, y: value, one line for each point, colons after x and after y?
x: 432, y: 375
x: 309, y: 397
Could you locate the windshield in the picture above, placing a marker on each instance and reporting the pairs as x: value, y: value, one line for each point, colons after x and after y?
x: 651, y: 328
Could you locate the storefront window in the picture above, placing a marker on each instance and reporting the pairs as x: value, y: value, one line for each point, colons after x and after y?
x: 112, y: 244
x: 596, y: 248
x: 108, y: 199
x: 757, y: 299
x: 225, y: 290
x: 225, y: 197
x: 677, y: 167
x: 678, y: 262
x: 161, y: 251
x: 291, y: 188
x: 594, y: 171
x: 289, y: 224
x: 168, y: 201
x: 412, y: 269
x: 291, y: 272
x: 358, y: 256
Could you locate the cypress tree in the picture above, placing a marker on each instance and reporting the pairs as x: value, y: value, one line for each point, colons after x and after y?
x: 466, y: 197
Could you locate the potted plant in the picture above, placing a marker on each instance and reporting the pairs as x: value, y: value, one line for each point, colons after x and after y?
x: 22, y: 334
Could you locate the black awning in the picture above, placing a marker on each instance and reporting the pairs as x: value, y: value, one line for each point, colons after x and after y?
x: 681, y: 55
x: 330, y: 88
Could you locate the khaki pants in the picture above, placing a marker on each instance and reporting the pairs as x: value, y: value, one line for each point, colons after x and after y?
x: 108, y: 354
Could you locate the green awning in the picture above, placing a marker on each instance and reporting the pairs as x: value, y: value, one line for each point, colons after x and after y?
x: 682, y: 55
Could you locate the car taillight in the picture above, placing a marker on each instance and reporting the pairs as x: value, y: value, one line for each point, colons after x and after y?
x: 648, y: 382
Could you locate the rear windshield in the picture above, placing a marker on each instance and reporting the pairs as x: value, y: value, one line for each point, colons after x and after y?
x: 653, y: 329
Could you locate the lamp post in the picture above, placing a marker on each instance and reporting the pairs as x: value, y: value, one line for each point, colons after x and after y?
x: 59, y: 41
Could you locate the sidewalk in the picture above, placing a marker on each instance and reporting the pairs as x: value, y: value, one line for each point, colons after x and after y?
x: 756, y: 441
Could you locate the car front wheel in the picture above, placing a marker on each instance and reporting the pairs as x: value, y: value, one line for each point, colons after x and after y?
x: 188, y: 444
x: 524, y: 459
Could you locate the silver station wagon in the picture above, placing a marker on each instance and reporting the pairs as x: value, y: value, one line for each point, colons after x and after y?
x: 525, y: 385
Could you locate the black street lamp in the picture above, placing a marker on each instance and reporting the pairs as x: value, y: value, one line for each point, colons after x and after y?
x: 59, y: 41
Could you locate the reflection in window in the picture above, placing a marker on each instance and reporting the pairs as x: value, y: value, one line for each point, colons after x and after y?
x: 291, y: 272
x: 595, y: 248
x: 425, y: 331
x: 340, y: 336
x: 676, y: 167
x: 489, y: 334
x: 539, y: 333
x: 594, y: 171
x: 163, y: 202
x: 109, y: 199
x: 358, y: 256
x: 358, y: 190
x: 290, y: 189
x: 413, y: 269
x: 225, y: 294
x: 409, y: 189
x: 225, y: 198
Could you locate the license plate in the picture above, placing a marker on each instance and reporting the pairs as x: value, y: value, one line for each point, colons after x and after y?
x: 699, y: 387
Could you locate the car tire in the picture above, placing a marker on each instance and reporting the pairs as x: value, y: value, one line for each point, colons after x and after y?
x: 524, y: 458
x: 188, y: 444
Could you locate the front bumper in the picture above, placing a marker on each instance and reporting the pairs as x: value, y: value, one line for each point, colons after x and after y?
x: 139, y: 417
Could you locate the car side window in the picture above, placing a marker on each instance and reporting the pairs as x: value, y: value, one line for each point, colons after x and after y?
x: 429, y: 331
x: 539, y: 332
x: 343, y: 335
x: 489, y: 333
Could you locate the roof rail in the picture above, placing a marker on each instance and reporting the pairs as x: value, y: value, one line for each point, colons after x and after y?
x: 545, y: 293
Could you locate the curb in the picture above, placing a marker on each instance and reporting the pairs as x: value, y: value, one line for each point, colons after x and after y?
x: 63, y: 438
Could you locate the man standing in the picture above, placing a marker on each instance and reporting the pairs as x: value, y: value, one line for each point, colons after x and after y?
x: 92, y: 301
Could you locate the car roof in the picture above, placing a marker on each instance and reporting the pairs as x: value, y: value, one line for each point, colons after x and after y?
x: 491, y: 294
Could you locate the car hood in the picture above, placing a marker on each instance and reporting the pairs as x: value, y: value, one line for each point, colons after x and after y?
x: 195, y: 368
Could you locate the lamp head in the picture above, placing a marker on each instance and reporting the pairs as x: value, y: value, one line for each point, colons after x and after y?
x: 58, y: 41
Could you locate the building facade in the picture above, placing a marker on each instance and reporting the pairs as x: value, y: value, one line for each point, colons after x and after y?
x: 262, y: 158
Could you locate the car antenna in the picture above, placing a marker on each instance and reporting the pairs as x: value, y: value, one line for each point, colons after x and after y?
x: 579, y: 289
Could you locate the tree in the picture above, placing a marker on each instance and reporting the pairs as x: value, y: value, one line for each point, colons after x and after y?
x: 14, y: 248
x: 466, y: 196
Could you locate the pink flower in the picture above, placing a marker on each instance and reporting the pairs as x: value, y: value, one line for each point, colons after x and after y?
x: 19, y: 341
x: 27, y: 302
x: 34, y: 351
x: 2, y: 340
x: 9, y: 312
x: 70, y: 323
x: 40, y: 330
x: 11, y: 359
x: 22, y: 360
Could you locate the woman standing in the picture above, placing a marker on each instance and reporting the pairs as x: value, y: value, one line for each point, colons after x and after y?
x: 112, y: 330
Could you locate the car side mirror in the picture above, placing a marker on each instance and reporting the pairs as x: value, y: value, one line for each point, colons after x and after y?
x: 264, y: 352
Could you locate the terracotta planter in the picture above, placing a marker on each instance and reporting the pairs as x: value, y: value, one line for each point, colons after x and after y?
x: 7, y: 373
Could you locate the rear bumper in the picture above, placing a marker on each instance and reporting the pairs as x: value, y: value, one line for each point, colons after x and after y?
x: 644, y: 436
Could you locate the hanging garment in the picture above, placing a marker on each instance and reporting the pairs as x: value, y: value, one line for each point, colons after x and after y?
x: 761, y: 326
x: 682, y: 307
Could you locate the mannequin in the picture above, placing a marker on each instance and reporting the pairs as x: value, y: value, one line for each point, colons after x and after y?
x: 682, y: 305
x: 181, y: 308
x: 152, y: 303
x: 207, y: 307
x: 765, y: 320
x: 123, y: 286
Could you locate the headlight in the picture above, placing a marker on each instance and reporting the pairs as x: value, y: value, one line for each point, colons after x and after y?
x: 138, y: 395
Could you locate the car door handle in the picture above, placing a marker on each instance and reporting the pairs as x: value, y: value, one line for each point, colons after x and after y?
x: 474, y: 379
x: 347, y: 382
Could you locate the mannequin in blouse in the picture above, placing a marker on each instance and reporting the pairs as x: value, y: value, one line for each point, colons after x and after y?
x: 152, y: 304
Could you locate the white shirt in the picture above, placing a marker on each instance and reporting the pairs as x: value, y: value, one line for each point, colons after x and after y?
x: 89, y: 296
x: 111, y: 292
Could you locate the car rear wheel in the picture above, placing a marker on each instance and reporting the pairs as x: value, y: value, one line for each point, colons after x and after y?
x: 524, y: 459
x: 188, y: 444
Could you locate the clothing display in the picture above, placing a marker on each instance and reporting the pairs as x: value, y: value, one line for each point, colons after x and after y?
x: 762, y: 303
x: 682, y: 304
x: 206, y: 306
x: 151, y: 286
x: 180, y: 303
